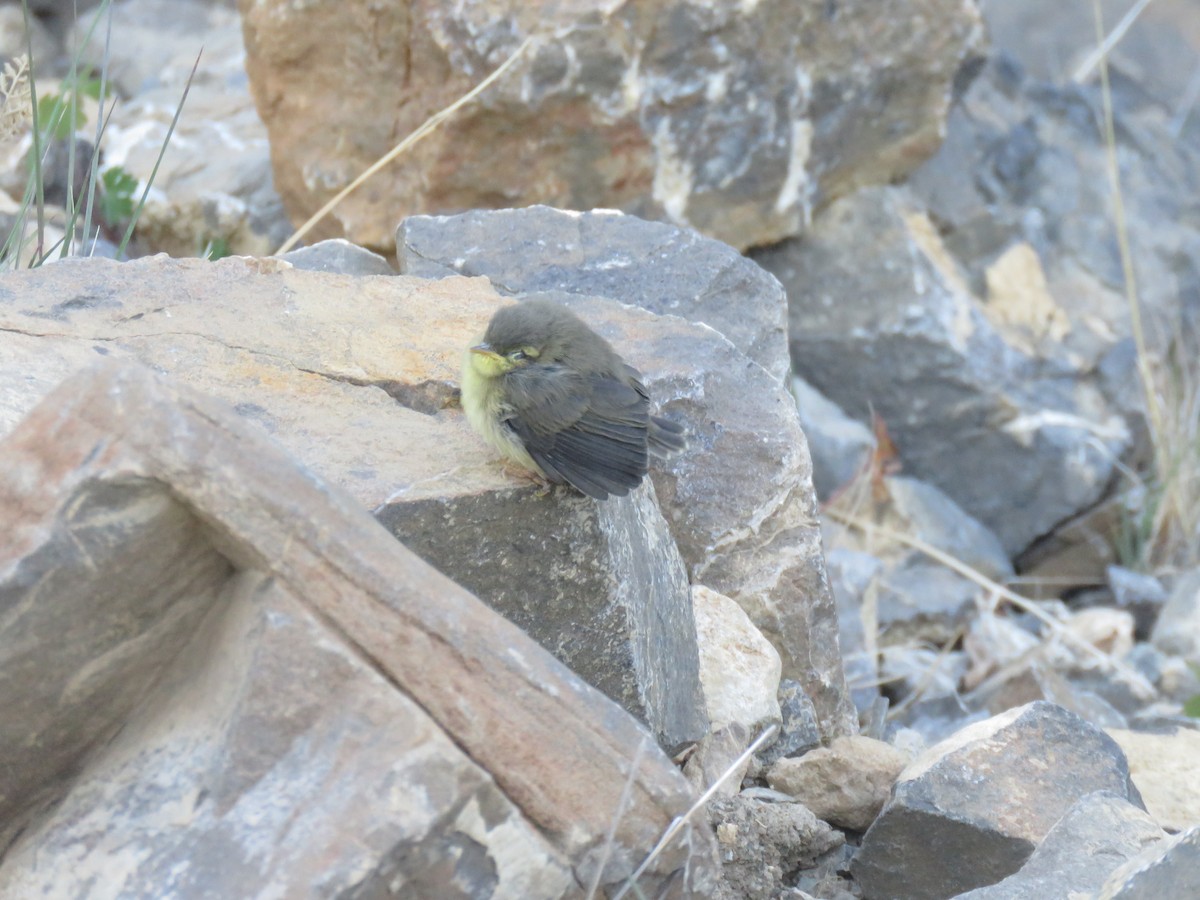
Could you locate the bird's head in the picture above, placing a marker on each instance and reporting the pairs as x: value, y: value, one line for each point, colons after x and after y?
x: 538, y: 330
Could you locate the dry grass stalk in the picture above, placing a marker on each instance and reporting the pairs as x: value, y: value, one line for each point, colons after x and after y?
x: 1003, y: 593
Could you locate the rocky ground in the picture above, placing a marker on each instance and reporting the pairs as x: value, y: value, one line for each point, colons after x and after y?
x: 917, y: 539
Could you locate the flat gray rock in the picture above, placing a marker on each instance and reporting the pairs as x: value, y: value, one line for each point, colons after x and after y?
x: 971, y: 810
x: 1096, y: 835
x: 662, y: 268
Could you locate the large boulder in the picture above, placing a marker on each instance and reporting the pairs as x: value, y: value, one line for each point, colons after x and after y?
x: 356, y: 377
x: 735, y: 118
x: 230, y: 681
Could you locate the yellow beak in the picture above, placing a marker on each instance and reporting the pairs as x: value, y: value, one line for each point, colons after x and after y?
x: 486, y: 350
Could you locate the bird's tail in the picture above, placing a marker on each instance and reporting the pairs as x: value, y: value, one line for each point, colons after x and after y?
x: 666, y: 438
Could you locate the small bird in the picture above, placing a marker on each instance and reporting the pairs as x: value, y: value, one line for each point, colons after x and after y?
x: 555, y: 398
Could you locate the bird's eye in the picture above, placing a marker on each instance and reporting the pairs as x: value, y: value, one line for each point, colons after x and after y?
x: 518, y: 355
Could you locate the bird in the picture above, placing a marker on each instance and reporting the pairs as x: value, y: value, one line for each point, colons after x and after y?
x: 557, y: 400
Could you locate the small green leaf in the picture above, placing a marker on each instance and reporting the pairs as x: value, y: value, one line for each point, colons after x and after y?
x: 1192, y: 707
x: 116, y: 197
x: 55, y: 119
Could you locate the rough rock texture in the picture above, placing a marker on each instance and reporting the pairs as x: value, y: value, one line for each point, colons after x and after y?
x: 659, y: 267
x: 713, y: 757
x: 1019, y: 441
x: 340, y: 256
x: 734, y: 118
x: 606, y: 591
x: 739, y: 669
x: 846, y: 783
x: 840, y: 446
x: 356, y: 377
x: 1177, y: 630
x: 740, y: 502
x: 1171, y: 869
x: 1078, y: 854
x: 762, y: 845
x: 231, y: 681
x: 985, y: 797
x: 799, y: 729
x: 1165, y: 766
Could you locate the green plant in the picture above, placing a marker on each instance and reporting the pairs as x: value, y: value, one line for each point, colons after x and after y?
x: 107, y: 197
x: 116, y: 196
x: 217, y: 248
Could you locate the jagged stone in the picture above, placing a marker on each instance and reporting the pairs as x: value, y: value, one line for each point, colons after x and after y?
x: 232, y: 681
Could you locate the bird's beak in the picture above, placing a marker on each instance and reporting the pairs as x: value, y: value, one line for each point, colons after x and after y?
x: 486, y: 350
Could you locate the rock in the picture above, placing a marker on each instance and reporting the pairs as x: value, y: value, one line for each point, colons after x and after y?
x: 754, y: 467
x: 1013, y: 438
x: 361, y: 391
x: 731, y: 118
x: 840, y: 445
x: 739, y: 669
x: 1078, y: 552
x: 852, y: 575
x: 1153, y: 58
x: 1177, y: 630
x: 1171, y: 869
x: 927, y: 674
x: 339, y: 256
x: 713, y: 760
x: 985, y: 797
x: 921, y: 602
x: 599, y: 584
x: 924, y: 512
x: 665, y: 269
x: 15, y: 38
x: 229, y: 671
x: 1141, y: 595
x: 1165, y: 766
x: 799, y: 729
x: 846, y: 783
x: 1093, y: 838
x: 762, y: 845
x: 214, y: 188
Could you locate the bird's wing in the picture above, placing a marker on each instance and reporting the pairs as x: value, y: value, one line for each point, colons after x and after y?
x: 587, y: 430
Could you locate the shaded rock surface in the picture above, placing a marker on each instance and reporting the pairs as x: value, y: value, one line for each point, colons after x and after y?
x: 763, y: 844
x: 1170, y: 869
x: 986, y: 797
x: 1018, y: 443
x: 257, y: 659
x: 1078, y: 854
x: 736, y: 119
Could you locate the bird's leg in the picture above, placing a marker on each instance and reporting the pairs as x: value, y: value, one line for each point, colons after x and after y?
x: 523, y: 473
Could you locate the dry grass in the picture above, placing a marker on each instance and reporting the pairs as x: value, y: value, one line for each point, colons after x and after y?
x: 16, y: 101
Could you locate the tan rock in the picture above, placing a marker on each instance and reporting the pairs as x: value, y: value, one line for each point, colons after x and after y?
x: 846, y: 783
x: 1165, y: 767
x: 718, y: 115
x: 357, y: 377
x: 739, y: 669
x: 230, y: 679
